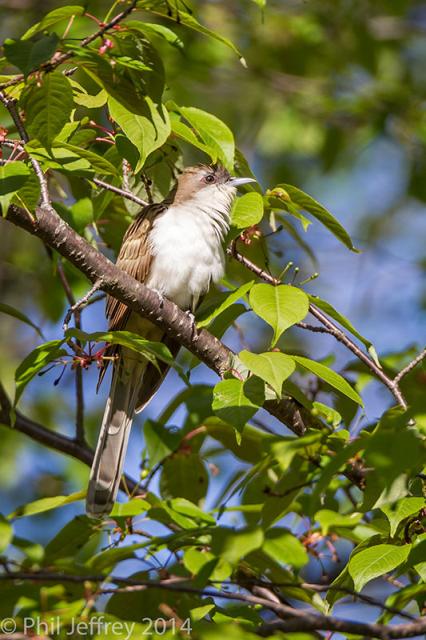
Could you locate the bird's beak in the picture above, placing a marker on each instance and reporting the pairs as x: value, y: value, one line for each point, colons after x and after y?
x: 237, y: 182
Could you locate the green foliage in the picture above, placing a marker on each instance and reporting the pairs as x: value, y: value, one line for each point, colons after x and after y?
x: 375, y: 561
x: 48, y: 107
x: 13, y: 176
x: 281, y: 307
x: 223, y: 492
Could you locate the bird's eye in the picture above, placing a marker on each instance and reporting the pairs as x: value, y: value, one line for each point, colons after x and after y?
x: 209, y: 179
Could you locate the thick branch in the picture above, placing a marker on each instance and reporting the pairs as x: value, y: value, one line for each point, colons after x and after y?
x: 54, y: 232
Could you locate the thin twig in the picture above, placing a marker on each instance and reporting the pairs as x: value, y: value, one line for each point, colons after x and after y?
x: 410, y: 366
x: 314, y: 328
x: 121, y: 192
x: 79, y: 393
x: 76, y: 306
x: 63, y: 57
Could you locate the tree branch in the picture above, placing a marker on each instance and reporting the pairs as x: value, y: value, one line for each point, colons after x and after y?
x: 51, y: 439
x: 54, y: 232
x: 291, y: 619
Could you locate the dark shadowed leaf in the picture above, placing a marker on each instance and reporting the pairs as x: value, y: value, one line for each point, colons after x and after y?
x: 184, y: 475
x: 27, y: 55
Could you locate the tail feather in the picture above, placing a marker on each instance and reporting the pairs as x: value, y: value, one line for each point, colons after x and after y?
x: 111, y: 449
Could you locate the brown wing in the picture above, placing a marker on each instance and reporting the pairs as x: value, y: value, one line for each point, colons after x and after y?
x: 135, y: 259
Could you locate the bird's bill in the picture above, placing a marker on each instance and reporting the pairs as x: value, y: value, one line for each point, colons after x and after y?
x: 237, y: 182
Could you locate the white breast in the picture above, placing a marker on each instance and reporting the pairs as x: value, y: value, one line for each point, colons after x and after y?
x: 186, y: 242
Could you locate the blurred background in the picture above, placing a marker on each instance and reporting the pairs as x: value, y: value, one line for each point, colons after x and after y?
x: 333, y: 102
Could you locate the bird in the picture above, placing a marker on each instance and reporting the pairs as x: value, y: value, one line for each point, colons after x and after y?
x: 174, y: 247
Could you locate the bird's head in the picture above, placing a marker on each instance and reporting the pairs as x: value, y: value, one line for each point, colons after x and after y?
x: 207, y: 181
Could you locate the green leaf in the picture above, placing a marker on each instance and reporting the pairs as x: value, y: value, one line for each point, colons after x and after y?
x: 106, y: 560
x: 34, y: 362
x: 15, y: 313
x: 281, y: 306
x: 331, y: 416
x: 282, y: 546
x: 404, y: 509
x: 250, y: 447
x: 45, y: 504
x: 53, y: 17
x: 329, y: 520
x: 99, y: 163
x: 70, y: 539
x: 189, y: 509
x: 236, y: 401
x: 306, y: 203
x: 288, y: 447
x: 130, y: 509
x: 33, y: 551
x: 272, y: 367
x: 188, y: 20
x: 331, y: 377
x: 332, y: 467
x: 233, y: 544
x: 147, y: 130
x: 82, y: 213
x: 160, y: 442
x: 217, y: 305
x: 341, y: 319
x: 13, y: 176
x: 375, y: 561
x: 28, y: 196
x: 214, y: 133
x: 182, y: 131
x: 48, y: 107
x: 89, y: 101
x: 246, y: 212
x: 28, y: 55
x: 6, y: 533
x: 199, y: 562
x: 151, y: 28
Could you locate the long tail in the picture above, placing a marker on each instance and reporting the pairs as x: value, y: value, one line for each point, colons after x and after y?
x: 111, y: 449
